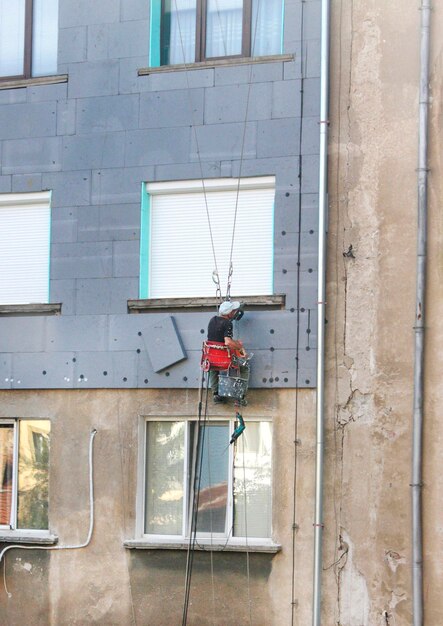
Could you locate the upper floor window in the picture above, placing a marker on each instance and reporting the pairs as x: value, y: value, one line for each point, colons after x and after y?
x: 28, y: 38
x: 24, y: 247
x: 199, y: 30
x: 177, y: 259
x: 24, y: 474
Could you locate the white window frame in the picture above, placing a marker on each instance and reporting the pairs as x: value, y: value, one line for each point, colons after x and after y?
x: 32, y: 201
x: 204, y: 188
x: 225, y: 539
x: 10, y: 531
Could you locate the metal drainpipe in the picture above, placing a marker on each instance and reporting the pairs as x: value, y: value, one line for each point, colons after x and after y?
x: 322, y: 229
x: 419, y: 328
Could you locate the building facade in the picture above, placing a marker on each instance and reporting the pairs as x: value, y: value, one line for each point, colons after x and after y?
x: 146, y: 149
x: 143, y: 147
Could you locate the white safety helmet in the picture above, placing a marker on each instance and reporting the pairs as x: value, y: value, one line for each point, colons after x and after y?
x: 228, y: 307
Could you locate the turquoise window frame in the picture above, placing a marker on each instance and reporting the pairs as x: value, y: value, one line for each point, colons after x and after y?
x: 145, y: 233
x: 282, y: 44
x: 49, y: 246
x: 155, y: 32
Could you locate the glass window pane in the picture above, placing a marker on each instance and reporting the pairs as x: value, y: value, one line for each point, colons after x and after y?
x: 12, y: 37
x: 252, y: 481
x: 44, y: 37
x: 165, y: 451
x: 266, y: 27
x: 6, y: 472
x: 224, y: 25
x: 213, y: 497
x: 33, y: 474
x: 178, y: 32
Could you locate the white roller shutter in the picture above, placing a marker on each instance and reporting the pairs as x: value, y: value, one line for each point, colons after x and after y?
x: 181, y: 259
x: 24, y: 247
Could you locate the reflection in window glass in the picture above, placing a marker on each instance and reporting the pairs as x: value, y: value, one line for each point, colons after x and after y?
x: 234, y: 483
x: 6, y: 472
x: 224, y: 25
x: 12, y: 37
x: 165, y: 449
x: 252, y: 481
x: 178, y: 32
x: 44, y: 37
x: 213, y: 497
x: 33, y: 474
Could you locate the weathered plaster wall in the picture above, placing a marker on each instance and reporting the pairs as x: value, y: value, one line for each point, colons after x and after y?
x: 108, y: 584
x: 371, y: 298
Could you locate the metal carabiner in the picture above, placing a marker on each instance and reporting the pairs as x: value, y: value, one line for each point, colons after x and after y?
x: 216, y: 280
x: 228, y: 288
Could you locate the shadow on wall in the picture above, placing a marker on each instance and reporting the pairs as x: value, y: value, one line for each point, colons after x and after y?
x: 158, y: 587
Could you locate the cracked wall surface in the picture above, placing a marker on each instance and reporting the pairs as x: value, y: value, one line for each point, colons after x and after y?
x: 371, y: 305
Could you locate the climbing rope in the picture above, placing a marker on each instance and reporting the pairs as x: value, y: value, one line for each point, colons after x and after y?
x: 202, y: 420
x: 215, y: 273
x: 248, y: 573
x: 228, y: 288
x: 198, y: 461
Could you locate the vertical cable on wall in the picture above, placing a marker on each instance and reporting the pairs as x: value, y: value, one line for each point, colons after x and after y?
x: 419, y: 327
x: 322, y: 229
x: 294, y: 602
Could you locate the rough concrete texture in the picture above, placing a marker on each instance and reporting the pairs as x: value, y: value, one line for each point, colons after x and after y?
x: 108, y: 584
x: 371, y: 298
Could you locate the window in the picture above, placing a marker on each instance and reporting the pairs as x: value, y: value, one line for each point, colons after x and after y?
x: 199, y: 30
x: 28, y: 38
x: 24, y: 473
x: 24, y: 247
x: 235, y: 481
x: 176, y: 249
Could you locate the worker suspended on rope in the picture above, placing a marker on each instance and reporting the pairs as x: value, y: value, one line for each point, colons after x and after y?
x: 220, y: 332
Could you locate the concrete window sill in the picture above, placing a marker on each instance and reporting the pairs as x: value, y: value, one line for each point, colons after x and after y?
x: 27, y: 537
x: 184, y: 305
x: 17, y: 83
x: 204, y: 545
x: 30, y: 309
x: 145, y: 71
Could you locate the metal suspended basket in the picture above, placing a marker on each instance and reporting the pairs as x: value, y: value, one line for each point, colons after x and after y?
x: 232, y: 385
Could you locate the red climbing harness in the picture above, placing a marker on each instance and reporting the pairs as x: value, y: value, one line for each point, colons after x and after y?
x: 233, y: 366
x: 216, y: 356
